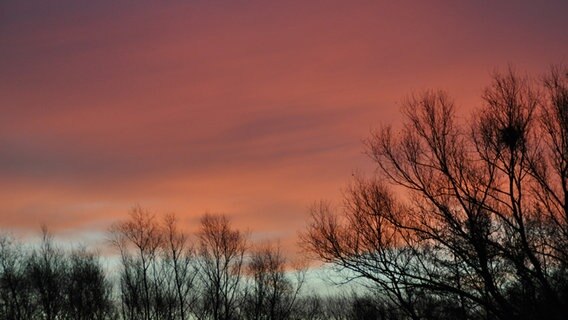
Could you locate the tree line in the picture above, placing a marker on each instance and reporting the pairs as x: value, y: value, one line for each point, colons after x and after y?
x: 464, y: 218
x: 164, y: 273
x: 160, y: 273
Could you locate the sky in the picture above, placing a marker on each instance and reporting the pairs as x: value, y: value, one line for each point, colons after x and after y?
x: 254, y: 109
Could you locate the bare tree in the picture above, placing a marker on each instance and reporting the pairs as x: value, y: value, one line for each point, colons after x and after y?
x: 363, y: 240
x: 88, y: 292
x: 272, y: 293
x: 47, y: 282
x: 138, y: 240
x: 221, y: 259
x: 311, y: 307
x: 550, y: 170
x: 481, y: 220
x: 178, y: 262
x: 15, y: 295
x: 46, y: 272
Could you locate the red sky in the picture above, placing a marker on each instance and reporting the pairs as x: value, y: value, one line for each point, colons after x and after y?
x: 251, y: 108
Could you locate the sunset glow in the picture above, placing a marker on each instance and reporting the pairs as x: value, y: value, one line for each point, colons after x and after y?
x: 255, y: 109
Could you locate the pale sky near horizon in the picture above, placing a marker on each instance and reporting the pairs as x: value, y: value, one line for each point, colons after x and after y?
x: 255, y: 109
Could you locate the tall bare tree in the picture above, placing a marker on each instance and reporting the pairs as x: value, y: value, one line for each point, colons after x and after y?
x: 481, y: 218
x: 138, y: 240
x: 179, y: 264
x: 222, y: 260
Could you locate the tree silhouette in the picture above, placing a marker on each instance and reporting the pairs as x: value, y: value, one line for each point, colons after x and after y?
x: 180, y: 269
x: 46, y: 271
x: 272, y: 294
x: 47, y: 282
x: 88, y: 293
x: 222, y: 260
x: 15, y: 295
x: 139, y: 240
x: 480, y: 220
